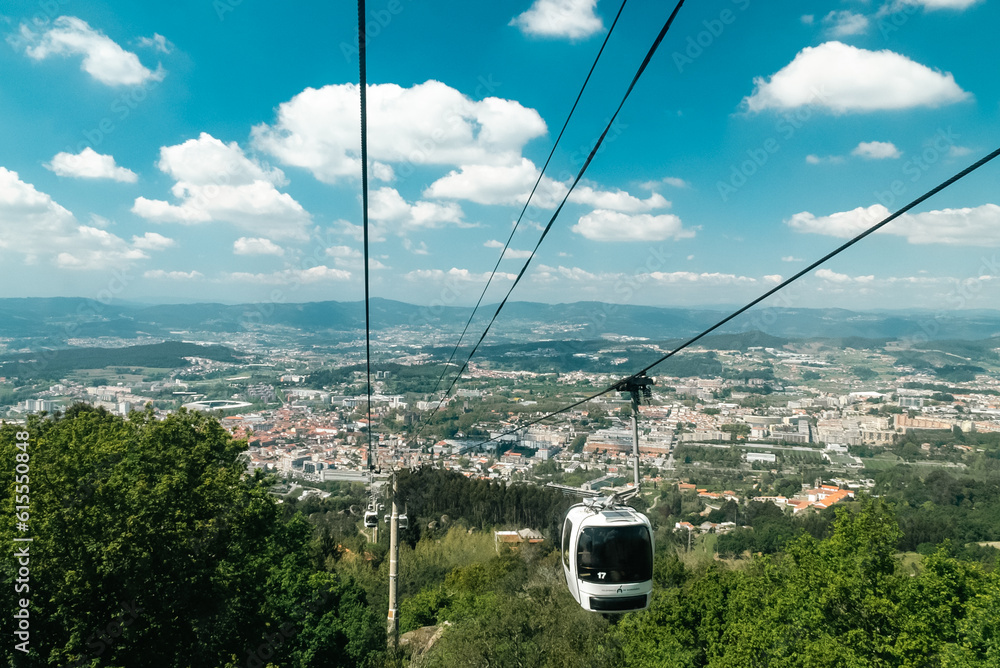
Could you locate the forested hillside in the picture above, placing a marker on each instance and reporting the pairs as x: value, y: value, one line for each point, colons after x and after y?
x: 154, y: 524
x: 151, y: 547
x: 55, y: 364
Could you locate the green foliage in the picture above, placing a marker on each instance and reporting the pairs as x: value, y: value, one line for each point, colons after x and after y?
x: 57, y: 363
x: 787, y: 487
x: 158, y: 517
x: 839, y: 601
x: 739, y: 429
x: 730, y: 457
x: 430, y: 493
x: 863, y: 373
x: 947, y: 388
x: 958, y: 373
x: 764, y: 373
x: 516, y: 611
x: 703, y: 365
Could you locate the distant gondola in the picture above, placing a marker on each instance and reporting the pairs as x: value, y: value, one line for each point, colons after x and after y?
x: 607, y: 555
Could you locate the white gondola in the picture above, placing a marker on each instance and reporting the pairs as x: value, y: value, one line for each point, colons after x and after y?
x: 371, y: 518
x: 607, y: 555
x: 607, y: 547
x: 401, y: 519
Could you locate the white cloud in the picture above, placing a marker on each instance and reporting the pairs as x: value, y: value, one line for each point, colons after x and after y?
x: 560, y: 18
x: 844, y: 23
x: 157, y: 42
x: 600, y: 285
x: 455, y: 275
x: 876, y: 150
x: 100, y: 221
x: 808, y: 19
x: 928, y: 280
x: 165, y: 212
x: 602, y: 225
x: 93, y: 248
x: 844, y: 79
x: 33, y: 225
x: 930, y: 5
x: 388, y: 207
x: 416, y: 249
x: 511, y: 185
x: 845, y: 224
x: 676, y: 182
x: 172, y: 275
x: 103, y: 59
x: 89, y: 164
x: 152, y: 241
x: 970, y: 226
x: 343, y: 252
x: 510, y: 253
x: 834, y: 277
x: 791, y: 258
x: 944, y: 4
x: 820, y: 160
x: 376, y: 232
x: 498, y: 184
x: 208, y: 161
x: 346, y: 257
x: 256, y: 246
x: 958, y: 151
x: 617, y: 200
x: 292, y: 277
x: 714, y: 278
x: 217, y: 182
x: 429, y: 123
x: 547, y: 273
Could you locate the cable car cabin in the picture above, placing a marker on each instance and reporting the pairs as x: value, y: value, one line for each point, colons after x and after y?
x: 371, y: 519
x: 401, y: 519
x: 607, y: 556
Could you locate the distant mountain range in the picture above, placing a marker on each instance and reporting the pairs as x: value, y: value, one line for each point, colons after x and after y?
x: 53, y: 321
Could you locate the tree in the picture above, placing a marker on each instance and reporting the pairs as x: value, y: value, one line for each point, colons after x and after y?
x: 157, y: 523
x: 516, y: 611
x: 863, y: 372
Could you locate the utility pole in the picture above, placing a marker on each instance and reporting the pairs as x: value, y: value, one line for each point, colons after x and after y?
x: 392, y: 630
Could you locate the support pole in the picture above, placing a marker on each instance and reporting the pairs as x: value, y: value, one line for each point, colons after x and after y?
x: 637, y: 387
x: 392, y: 630
x: 635, y: 437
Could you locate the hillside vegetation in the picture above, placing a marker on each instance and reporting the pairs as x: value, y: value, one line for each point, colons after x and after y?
x: 156, y: 522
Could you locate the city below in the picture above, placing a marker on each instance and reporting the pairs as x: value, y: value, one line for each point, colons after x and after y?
x: 734, y: 416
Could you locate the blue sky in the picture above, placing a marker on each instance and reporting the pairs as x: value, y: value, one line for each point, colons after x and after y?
x: 208, y: 151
